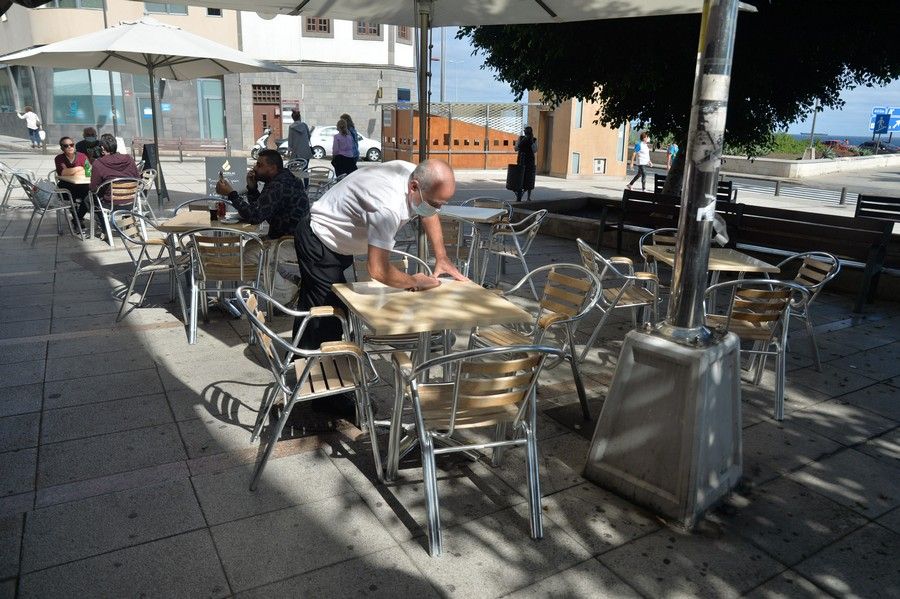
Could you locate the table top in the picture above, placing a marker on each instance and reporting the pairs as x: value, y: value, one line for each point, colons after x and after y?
x: 473, y: 214
x: 188, y: 220
x: 452, y: 305
x: 720, y: 259
x: 74, y: 179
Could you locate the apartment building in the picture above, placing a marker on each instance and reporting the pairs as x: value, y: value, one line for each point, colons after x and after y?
x: 339, y: 66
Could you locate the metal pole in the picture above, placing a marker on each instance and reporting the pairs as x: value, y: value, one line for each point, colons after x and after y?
x: 686, y: 319
x: 112, y: 93
x: 843, y: 196
x: 424, y: 12
x: 161, y: 193
x: 812, y: 133
x: 443, y: 61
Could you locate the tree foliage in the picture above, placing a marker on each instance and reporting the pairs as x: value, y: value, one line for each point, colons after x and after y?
x: 789, y: 56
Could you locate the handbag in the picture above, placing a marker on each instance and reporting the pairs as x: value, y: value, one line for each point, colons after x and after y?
x: 515, y: 177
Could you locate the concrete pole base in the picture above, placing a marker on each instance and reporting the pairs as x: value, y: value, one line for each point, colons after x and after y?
x: 669, y: 435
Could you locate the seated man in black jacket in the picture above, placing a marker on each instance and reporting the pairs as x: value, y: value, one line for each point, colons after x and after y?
x: 282, y: 202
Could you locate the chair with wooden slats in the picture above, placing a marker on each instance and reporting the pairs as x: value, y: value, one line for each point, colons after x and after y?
x: 221, y: 262
x: 814, y: 272
x: 140, y: 238
x: 378, y: 344
x: 512, y: 240
x: 759, y: 312
x: 657, y: 237
x: 570, y: 293
x: 491, y: 388
x: 456, y: 243
x: 621, y: 289
x: 123, y: 193
x: 301, y: 375
x: 58, y: 201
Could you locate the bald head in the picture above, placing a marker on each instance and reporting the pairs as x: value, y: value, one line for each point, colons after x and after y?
x: 435, y: 179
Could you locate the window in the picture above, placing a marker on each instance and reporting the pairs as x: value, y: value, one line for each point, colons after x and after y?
x: 165, y: 9
x: 267, y: 94
x: 81, y: 96
x: 210, y: 98
x: 366, y: 30
x: 213, y: 12
x: 576, y: 163
x: 404, y: 34
x: 96, y: 4
x: 403, y: 94
x: 315, y: 27
x: 599, y: 166
x: 620, y: 143
x: 579, y: 110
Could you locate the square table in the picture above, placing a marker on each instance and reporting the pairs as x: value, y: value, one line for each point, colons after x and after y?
x: 481, y: 219
x: 720, y: 260
x: 452, y: 305
x: 79, y: 179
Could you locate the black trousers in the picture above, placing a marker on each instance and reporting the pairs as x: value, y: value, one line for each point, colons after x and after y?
x: 79, y: 195
x: 319, y: 269
x: 643, y: 175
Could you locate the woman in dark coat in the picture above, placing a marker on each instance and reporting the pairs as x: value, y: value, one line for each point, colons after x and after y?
x: 526, y: 148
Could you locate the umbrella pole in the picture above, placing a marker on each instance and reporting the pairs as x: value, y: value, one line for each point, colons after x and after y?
x: 424, y: 14
x: 161, y: 193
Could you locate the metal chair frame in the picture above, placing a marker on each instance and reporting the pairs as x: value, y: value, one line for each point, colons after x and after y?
x: 54, y: 204
x: 512, y: 240
x: 631, y: 289
x: 7, y: 177
x: 200, y: 204
x: 456, y: 244
x: 564, y: 301
x: 483, y: 393
x: 761, y: 309
x: 120, y: 190
x: 325, y: 366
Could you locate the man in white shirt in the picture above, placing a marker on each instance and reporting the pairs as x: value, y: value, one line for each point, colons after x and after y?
x: 642, y: 155
x: 361, y: 215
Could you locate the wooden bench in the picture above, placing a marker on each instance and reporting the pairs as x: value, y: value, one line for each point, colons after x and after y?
x: 724, y: 189
x: 885, y: 211
x: 181, y: 145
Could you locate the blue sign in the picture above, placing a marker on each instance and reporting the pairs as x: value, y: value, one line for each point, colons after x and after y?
x: 166, y: 107
x: 882, y: 121
x: 893, y: 123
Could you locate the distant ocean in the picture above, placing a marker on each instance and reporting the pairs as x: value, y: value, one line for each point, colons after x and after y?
x: 855, y: 140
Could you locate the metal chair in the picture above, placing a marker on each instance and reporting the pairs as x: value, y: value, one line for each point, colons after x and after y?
x: 621, y: 288
x: 200, y: 204
x: 491, y: 388
x: 456, y: 244
x: 300, y: 375
x: 321, y: 179
x: 57, y: 201
x: 7, y: 177
x: 125, y: 193
x: 221, y: 262
x: 489, y: 202
x: 759, y: 311
x: 297, y: 167
x: 658, y: 237
x: 814, y: 272
x: 134, y: 229
x: 513, y: 240
x: 148, y: 178
x: 570, y: 293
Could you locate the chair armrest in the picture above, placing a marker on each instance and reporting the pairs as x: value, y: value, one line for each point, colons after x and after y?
x: 402, y: 363
x: 646, y: 276
x: 343, y: 347
x: 622, y: 260
x: 548, y: 320
x: 325, y: 312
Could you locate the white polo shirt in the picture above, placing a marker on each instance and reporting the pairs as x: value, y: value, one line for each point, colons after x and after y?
x: 368, y: 207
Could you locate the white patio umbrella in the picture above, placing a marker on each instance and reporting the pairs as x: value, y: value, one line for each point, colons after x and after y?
x: 145, y: 46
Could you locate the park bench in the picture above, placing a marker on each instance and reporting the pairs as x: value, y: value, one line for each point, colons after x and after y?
x: 724, y: 189
x: 181, y: 145
x: 885, y: 212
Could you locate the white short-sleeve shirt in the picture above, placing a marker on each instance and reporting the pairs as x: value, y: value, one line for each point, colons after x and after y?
x: 368, y: 207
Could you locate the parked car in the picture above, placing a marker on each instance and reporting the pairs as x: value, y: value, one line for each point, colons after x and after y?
x: 840, y: 148
x: 885, y: 147
x: 322, y: 137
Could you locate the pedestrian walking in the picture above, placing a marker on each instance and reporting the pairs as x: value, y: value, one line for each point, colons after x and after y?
x: 526, y: 148
x: 642, y: 156
x: 298, y: 138
x: 342, y: 150
x: 353, y: 135
x: 33, y: 123
x: 671, y: 153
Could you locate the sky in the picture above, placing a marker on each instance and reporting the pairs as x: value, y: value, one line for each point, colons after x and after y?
x: 465, y: 82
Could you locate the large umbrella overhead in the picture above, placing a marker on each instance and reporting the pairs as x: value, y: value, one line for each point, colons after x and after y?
x: 145, y: 46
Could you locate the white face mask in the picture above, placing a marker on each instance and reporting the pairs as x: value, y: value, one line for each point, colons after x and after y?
x: 423, y: 208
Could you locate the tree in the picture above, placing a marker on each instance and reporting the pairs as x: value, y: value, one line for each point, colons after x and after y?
x: 788, y: 56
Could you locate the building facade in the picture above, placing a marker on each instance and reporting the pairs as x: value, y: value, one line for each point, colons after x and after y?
x: 571, y: 145
x: 339, y: 66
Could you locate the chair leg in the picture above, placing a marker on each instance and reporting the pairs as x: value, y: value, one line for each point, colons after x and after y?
x: 192, y: 320
x: 534, y: 478
x: 37, y: 227
x: 108, y: 228
x: 812, y: 340
x: 366, y: 400
x: 499, y: 435
x: 28, y: 228
x: 779, y: 383
x: 579, y: 386
x: 276, y: 434
x: 432, y: 504
x: 128, y: 293
x: 634, y: 317
x: 593, y: 338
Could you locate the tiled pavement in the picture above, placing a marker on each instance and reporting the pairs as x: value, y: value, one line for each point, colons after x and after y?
x: 125, y: 459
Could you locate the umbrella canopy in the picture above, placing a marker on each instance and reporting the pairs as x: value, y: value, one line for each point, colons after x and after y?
x: 145, y: 46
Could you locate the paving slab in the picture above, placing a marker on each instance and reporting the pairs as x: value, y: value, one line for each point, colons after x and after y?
x: 842, y: 421
x: 22, y: 373
x: 385, y: 573
x: 882, y: 399
x: 72, y: 531
x: 286, y: 482
x: 495, y: 555
x: 879, y: 363
x: 863, y: 564
x: 588, y: 579
x: 180, y: 566
x: 15, y: 353
x: 314, y: 535
x: 831, y: 381
x: 217, y: 433
x: 81, y: 459
x: 10, y: 544
x: 98, y: 364
x: 891, y: 520
x: 787, y: 585
x: 561, y: 460
x: 21, y: 400
x: 19, y: 432
x: 93, y: 389
x: 886, y: 447
x: 17, y: 471
x: 76, y: 422
x: 670, y: 564
x: 772, y: 449
x: 787, y: 520
x: 860, y: 482
x: 796, y: 397
x: 22, y: 313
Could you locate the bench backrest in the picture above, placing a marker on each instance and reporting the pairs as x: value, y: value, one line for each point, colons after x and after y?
x: 882, y: 208
x: 724, y: 189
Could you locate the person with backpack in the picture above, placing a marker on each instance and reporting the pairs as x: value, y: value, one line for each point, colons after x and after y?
x: 642, y: 156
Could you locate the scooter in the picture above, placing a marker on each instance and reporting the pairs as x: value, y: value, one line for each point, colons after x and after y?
x: 263, y: 142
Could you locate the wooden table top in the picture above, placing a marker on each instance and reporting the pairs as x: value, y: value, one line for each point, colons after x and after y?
x: 74, y: 179
x: 451, y: 306
x: 188, y: 220
x: 473, y: 214
x: 720, y: 259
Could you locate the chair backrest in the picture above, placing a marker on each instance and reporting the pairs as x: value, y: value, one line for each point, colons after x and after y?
x: 529, y: 227
x: 123, y: 191
x: 199, y: 204
x: 148, y: 178
x: 297, y: 166
x: 399, y: 260
x: 815, y: 270
x: 456, y: 244
x: 603, y: 268
x: 565, y: 294
x: 488, y: 202
x: 233, y: 256
x: 760, y: 303
x: 662, y: 237
x: 490, y: 385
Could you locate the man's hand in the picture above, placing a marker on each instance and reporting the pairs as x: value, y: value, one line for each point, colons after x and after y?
x: 443, y: 266
x: 423, y: 282
x: 251, y: 179
x: 223, y: 187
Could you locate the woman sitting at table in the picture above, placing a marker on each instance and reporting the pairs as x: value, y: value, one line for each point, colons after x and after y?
x: 72, y: 164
